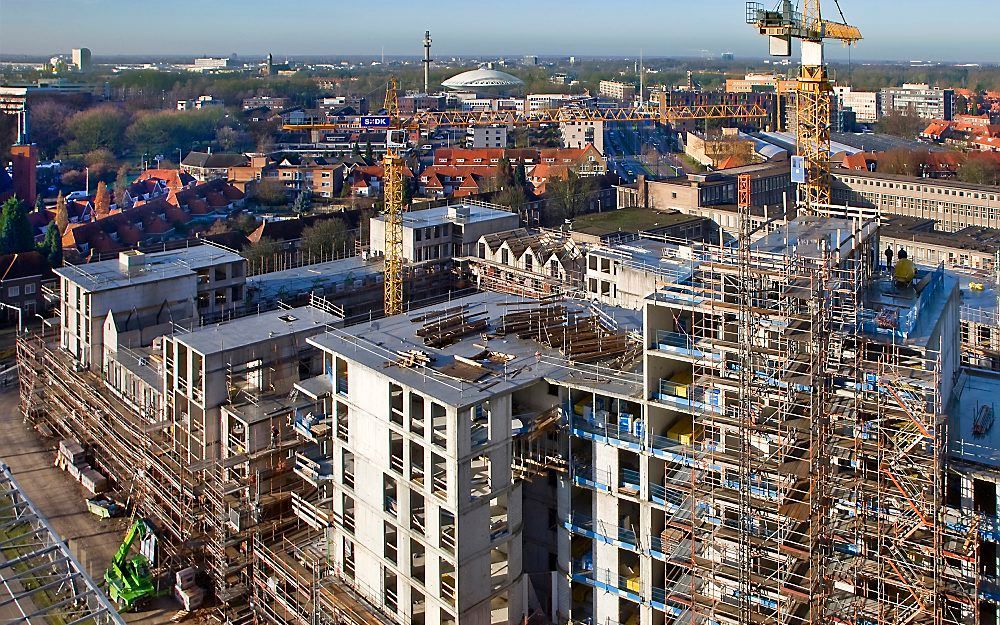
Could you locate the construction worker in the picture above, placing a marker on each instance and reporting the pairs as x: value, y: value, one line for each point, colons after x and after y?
x: 904, y: 271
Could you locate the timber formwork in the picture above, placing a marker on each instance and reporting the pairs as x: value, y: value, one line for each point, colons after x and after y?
x: 813, y: 491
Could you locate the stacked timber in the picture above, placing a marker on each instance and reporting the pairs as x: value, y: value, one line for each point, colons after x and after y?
x: 447, y: 329
x: 580, y: 337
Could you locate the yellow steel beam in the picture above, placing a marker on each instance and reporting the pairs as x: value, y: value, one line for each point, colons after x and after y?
x: 665, y: 114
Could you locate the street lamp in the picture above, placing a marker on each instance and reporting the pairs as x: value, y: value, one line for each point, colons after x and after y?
x: 20, y: 320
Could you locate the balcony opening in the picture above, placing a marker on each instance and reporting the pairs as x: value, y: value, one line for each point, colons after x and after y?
x: 343, y: 427
x: 499, y: 523
x: 391, y: 597
x: 341, y: 376
x: 628, y: 473
x: 348, y: 515
x: 480, y: 476
x: 418, y: 562
x: 418, y: 513
x: 391, y: 548
x: 396, y: 452
x: 348, y: 558
x: 500, y: 609
x: 447, y: 525
x: 417, y: 414
x: 347, y: 467
x: 439, y: 425
x: 439, y: 472
x: 396, y: 404
x: 499, y: 566
x: 389, y: 488
x: 418, y: 608
x: 479, y: 427
x: 416, y: 462
x: 449, y: 590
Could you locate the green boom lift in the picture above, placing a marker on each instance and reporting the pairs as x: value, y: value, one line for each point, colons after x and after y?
x: 129, y: 581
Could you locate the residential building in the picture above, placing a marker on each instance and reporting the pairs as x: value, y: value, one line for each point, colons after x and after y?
x: 578, y: 134
x: 322, y: 177
x: 81, y: 60
x: 752, y: 83
x: 270, y: 102
x: 148, y: 221
x: 204, y: 166
x: 533, y: 263
x: 201, y: 102
x: 144, y: 294
x: 422, y: 102
x: 453, y: 181
x: 209, y: 64
x: 445, y: 231
x: 617, y: 90
x: 456, y: 520
x: 920, y: 99
x: 624, y: 273
x: 21, y: 277
x: 494, y: 136
x: 865, y: 104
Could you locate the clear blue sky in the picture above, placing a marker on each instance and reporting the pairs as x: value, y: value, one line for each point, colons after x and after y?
x: 965, y: 30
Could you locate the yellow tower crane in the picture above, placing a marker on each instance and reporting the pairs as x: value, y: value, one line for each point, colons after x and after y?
x: 396, y: 143
x: 393, y: 181
x: 812, y: 101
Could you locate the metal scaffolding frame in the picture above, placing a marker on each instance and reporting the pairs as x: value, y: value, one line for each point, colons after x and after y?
x: 817, y: 461
x: 41, y: 578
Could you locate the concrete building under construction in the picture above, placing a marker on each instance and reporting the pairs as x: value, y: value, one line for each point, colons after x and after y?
x: 763, y: 431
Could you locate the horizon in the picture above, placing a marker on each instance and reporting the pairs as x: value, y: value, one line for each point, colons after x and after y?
x: 918, y: 32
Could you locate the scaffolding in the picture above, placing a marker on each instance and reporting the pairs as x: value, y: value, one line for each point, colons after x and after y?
x: 817, y: 462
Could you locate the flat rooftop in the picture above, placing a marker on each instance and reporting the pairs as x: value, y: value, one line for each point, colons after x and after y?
x: 291, y: 282
x: 256, y: 329
x: 108, y: 274
x: 808, y: 236
x: 376, y: 343
x: 648, y: 254
x: 443, y: 214
x: 971, y: 436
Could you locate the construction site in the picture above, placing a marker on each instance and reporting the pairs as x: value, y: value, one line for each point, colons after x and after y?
x: 648, y: 431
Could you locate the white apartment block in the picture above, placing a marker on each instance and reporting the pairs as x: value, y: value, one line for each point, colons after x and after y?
x: 579, y: 133
x: 865, y: 104
x: 486, y: 137
x: 617, y: 90
x: 445, y: 231
x: 143, y: 295
x: 921, y: 99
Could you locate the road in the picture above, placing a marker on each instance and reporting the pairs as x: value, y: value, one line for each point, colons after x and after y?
x: 624, y: 162
x: 62, y: 500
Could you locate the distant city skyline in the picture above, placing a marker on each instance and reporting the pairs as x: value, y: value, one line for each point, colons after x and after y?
x: 667, y: 28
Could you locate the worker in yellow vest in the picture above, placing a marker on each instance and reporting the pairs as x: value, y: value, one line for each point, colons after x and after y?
x: 904, y: 271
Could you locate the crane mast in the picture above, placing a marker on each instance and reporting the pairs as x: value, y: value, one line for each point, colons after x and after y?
x: 393, y: 196
x: 812, y: 95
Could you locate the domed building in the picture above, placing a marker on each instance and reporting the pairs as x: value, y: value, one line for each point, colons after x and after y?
x: 483, y: 79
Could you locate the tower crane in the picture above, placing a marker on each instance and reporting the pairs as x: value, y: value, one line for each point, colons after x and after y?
x: 396, y: 142
x: 812, y: 99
